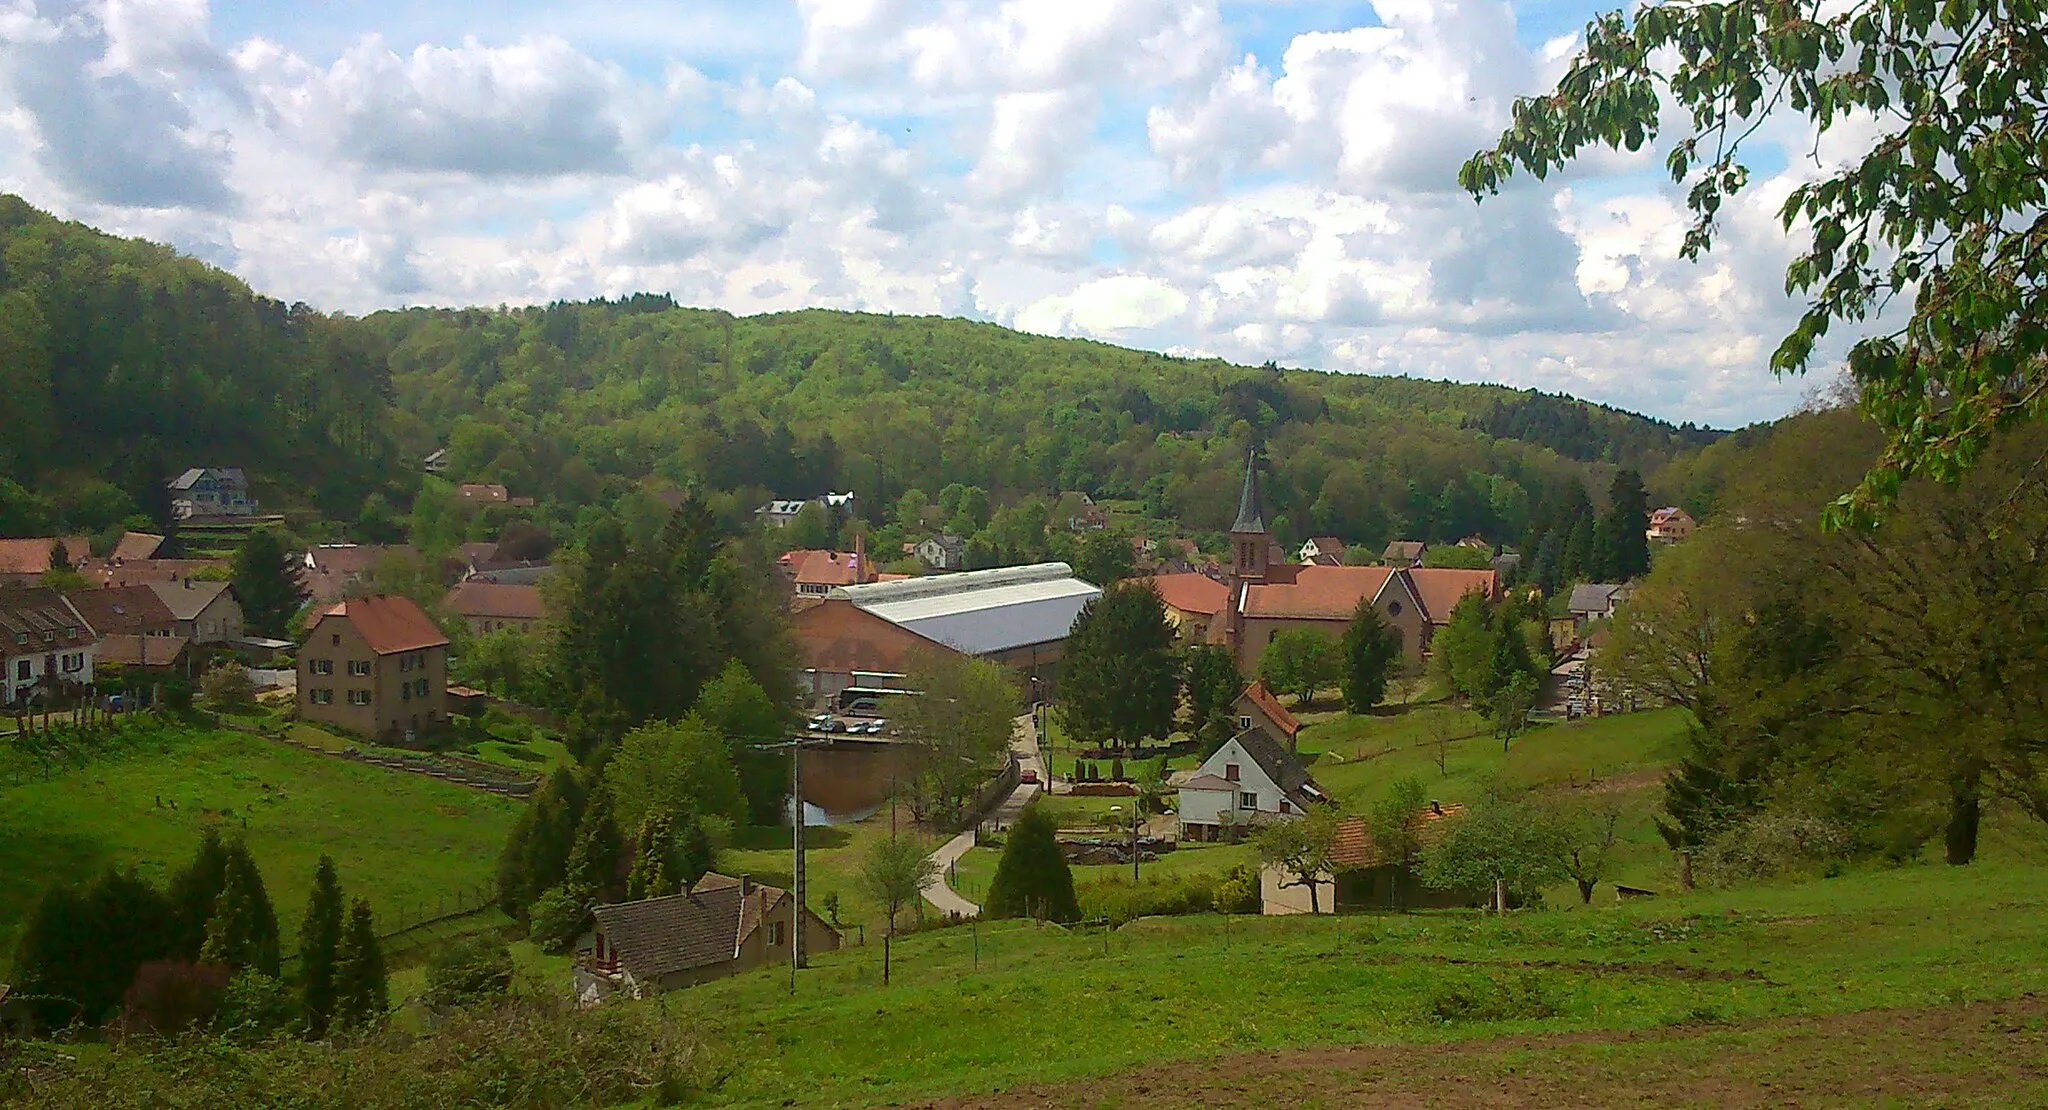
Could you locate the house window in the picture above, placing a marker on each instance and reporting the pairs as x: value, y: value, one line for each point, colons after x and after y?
x: 1230, y: 772
x: 71, y: 633
x: 359, y: 697
x: 1393, y: 608
x: 1272, y: 636
x: 1243, y: 723
x: 74, y: 662
x: 775, y: 931
x: 337, y: 639
x: 49, y: 634
x: 421, y: 687
x: 21, y: 672
x: 405, y: 663
x: 1247, y: 800
x: 359, y: 667
x: 405, y: 692
x: 323, y: 697
x: 1284, y: 807
x: 321, y: 666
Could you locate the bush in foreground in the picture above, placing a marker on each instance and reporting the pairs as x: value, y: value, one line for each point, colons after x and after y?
x: 526, y: 1056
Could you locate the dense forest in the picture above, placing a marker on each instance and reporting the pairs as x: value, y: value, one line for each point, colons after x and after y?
x: 128, y: 361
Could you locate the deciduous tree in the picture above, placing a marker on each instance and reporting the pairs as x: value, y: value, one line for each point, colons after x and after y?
x: 1300, y: 661
x: 893, y: 872
x: 1302, y: 849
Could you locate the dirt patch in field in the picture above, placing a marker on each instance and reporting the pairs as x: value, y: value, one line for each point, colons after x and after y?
x: 1985, y: 1054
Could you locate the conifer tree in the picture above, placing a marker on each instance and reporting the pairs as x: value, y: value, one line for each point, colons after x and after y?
x: 1627, y: 525
x: 1033, y: 879
x: 319, y: 945
x: 1370, y: 648
x: 651, y: 876
x: 594, y: 862
x: 361, y: 995
x: 692, y: 852
x: 242, y: 933
x: 1578, y: 551
x: 194, y: 889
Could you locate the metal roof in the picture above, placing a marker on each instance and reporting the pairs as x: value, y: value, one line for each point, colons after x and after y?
x: 984, y: 611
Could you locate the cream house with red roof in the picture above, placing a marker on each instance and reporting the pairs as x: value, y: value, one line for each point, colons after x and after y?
x: 376, y: 667
x: 1193, y: 604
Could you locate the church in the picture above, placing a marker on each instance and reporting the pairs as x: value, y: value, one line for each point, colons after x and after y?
x: 1268, y: 593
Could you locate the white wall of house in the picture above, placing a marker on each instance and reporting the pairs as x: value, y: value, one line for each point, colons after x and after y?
x: 24, y: 671
x: 1278, y: 900
x: 1205, y: 807
x: 1253, y: 786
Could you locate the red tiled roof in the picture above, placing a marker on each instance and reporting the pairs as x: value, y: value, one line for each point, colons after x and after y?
x: 492, y: 599
x: 136, y: 545
x: 1317, y: 593
x: 1440, y: 588
x: 32, y: 556
x: 830, y: 568
x: 1271, y: 707
x: 389, y: 623
x: 1192, y: 593
x: 143, y: 572
x: 1355, y: 849
x: 122, y: 610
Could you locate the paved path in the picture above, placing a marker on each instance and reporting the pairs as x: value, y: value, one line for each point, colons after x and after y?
x: 1023, y: 741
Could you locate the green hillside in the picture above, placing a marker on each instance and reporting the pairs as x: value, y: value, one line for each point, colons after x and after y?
x: 127, y: 362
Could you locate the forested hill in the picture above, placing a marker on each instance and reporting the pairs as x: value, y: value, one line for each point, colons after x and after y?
x: 127, y: 359
x: 124, y: 361
x: 795, y: 403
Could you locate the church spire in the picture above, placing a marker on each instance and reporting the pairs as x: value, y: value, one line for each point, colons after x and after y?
x: 1249, y: 517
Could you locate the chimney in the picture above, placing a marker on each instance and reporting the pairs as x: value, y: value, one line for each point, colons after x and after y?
x: 860, y: 555
x: 746, y: 886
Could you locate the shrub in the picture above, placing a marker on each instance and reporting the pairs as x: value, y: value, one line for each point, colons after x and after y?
x: 172, y: 996
x: 473, y: 971
x: 558, y: 917
x: 1120, y: 901
x: 1239, y: 892
x: 1519, y: 997
x: 528, y: 1054
x: 255, y: 1007
x: 1116, y: 770
x: 1772, y: 844
x: 227, y: 686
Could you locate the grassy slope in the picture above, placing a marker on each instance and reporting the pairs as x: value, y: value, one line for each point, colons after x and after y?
x: 398, y: 839
x: 1049, y: 1005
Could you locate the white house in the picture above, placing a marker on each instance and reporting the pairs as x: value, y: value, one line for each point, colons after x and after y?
x: 211, y: 491
x: 206, y: 612
x: 780, y: 513
x: 44, y: 643
x: 1324, y: 550
x: 1251, y: 779
x: 943, y: 552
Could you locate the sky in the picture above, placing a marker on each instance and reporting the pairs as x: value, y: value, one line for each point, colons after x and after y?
x: 1250, y: 179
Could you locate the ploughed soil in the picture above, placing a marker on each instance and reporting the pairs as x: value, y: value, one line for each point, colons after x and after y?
x: 1981, y: 1054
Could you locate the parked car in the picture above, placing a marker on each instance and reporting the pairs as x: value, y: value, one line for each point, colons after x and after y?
x: 864, y: 707
x: 1027, y: 775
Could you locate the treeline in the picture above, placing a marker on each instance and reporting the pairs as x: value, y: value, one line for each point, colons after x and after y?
x: 1856, y: 692
x: 200, y: 954
x: 126, y: 363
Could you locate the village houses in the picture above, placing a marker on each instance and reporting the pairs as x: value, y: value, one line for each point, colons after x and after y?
x: 45, y: 643
x: 721, y: 926
x: 376, y: 667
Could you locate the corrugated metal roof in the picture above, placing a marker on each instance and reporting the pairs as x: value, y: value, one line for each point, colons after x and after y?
x: 981, y: 612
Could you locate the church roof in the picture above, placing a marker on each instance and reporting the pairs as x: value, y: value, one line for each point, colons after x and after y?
x: 1249, y: 517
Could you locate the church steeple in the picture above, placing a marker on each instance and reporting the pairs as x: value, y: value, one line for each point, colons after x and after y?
x: 1249, y: 542
x: 1249, y: 518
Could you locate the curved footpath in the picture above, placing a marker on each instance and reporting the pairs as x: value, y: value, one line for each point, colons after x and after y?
x: 1023, y: 741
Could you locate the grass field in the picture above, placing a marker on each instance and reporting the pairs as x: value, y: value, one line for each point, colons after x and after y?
x: 1688, y: 978
x: 401, y: 840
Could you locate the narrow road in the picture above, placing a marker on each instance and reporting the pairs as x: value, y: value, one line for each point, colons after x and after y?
x: 1024, y: 742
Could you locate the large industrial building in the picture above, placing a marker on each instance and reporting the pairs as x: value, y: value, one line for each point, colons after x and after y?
x: 1016, y: 616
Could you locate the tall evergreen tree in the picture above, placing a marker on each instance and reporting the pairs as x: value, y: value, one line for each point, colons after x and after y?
x: 536, y: 854
x: 1212, y: 684
x: 1370, y: 648
x: 194, y: 889
x: 319, y: 944
x: 361, y: 994
x: 594, y: 862
x: 267, y: 582
x: 1119, y: 679
x: 1032, y: 878
x: 242, y: 932
x: 1576, y: 564
x: 653, y: 846
x: 1627, y: 524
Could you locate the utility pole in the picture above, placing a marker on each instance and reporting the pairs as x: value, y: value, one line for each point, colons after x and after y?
x: 795, y: 746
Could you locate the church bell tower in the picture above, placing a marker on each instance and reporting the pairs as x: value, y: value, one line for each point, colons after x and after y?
x: 1250, y: 544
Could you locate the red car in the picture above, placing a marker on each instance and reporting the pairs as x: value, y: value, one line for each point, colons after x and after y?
x: 1027, y: 775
